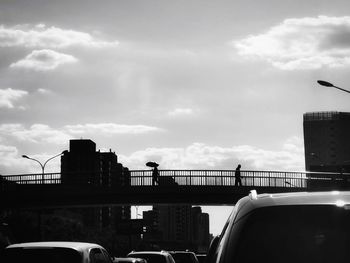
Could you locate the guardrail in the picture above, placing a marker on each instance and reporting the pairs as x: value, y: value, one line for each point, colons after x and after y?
x: 183, y: 178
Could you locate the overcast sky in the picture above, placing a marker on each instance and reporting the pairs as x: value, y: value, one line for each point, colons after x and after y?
x: 190, y: 84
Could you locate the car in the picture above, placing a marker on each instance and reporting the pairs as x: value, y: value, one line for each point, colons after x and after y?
x: 286, y: 227
x: 153, y: 256
x: 55, y: 252
x: 184, y: 256
x: 129, y: 260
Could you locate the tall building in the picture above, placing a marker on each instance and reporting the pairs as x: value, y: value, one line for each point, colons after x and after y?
x: 152, y: 233
x: 177, y: 227
x: 327, y: 141
x: 175, y: 223
x: 82, y: 164
x: 200, y: 229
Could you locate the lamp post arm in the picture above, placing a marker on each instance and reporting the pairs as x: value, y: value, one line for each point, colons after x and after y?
x: 348, y: 91
x: 328, y: 84
x: 41, y: 165
x: 50, y: 159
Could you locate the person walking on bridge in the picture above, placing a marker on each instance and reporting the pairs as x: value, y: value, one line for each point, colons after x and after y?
x: 155, y: 172
x: 238, y: 181
x: 155, y: 176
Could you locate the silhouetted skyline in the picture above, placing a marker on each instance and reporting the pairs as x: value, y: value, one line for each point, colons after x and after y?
x: 187, y: 84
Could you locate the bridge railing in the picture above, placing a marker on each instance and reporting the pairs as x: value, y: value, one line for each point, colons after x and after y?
x: 47, y: 178
x: 184, y: 178
x: 220, y: 178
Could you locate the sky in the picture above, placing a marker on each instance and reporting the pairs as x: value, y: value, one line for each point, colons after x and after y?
x: 190, y: 84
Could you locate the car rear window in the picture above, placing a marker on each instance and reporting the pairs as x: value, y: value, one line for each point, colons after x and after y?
x: 41, y: 255
x: 184, y: 258
x: 151, y: 258
x: 294, y: 234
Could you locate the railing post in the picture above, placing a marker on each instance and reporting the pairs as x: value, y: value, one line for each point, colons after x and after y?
x: 285, y: 178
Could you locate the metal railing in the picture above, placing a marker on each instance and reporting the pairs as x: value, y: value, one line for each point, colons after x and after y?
x: 184, y: 178
x: 221, y: 178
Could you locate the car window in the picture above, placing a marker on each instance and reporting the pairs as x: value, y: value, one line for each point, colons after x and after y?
x: 41, y: 255
x: 98, y: 256
x: 123, y: 261
x: 184, y: 258
x: 292, y: 234
x: 107, y: 255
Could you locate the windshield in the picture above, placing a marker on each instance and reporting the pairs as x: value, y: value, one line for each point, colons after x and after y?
x: 184, y: 258
x: 41, y: 255
x: 294, y: 234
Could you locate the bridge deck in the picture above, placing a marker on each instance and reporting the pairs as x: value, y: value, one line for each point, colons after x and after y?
x: 175, y: 186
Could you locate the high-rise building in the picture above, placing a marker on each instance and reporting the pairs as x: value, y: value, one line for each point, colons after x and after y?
x: 175, y: 222
x: 327, y: 141
x: 200, y: 229
x: 82, y: 164
x: 152, y: 233
x: 177, y: 227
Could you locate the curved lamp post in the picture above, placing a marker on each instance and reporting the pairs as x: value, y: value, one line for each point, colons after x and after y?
x: 327, y: 84
x: 43, y: 165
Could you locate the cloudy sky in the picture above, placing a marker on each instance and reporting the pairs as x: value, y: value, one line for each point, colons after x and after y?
x: 191, y: 84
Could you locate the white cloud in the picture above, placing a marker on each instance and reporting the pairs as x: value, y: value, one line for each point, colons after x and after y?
x: 44, y: 91
x: 41, y: 133
x: 13, y: 163
x: 202, y: 156
x: 43, y: 60
x: 109, y: 128
x: 7, y: 154
x: 9, y: 96
x: 181, y: 112
x: 37, y: 133
x: 41, y: 36
x: 302, y: 43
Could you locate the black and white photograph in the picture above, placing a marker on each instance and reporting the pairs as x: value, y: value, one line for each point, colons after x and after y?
x: 174, y: 131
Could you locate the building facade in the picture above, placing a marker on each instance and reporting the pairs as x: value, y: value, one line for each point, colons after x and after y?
x: 82, y: 164
x: 327, y: 141
x: 200, y: 229
x: 177, y: 227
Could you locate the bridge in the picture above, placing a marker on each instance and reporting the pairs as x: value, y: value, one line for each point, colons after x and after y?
x: 197, y: 187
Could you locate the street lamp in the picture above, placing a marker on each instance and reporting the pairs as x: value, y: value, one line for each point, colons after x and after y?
x: 327, y: 84
x: 43, y: 165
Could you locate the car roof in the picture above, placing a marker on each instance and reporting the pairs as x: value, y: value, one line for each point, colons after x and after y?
x: 58, y: 244
x: 182, y: 252
x: 149, y: 252
x: 129, y: 259
x: 254, y: 200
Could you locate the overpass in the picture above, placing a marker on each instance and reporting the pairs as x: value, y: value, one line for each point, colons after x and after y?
x: 197, y: 187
